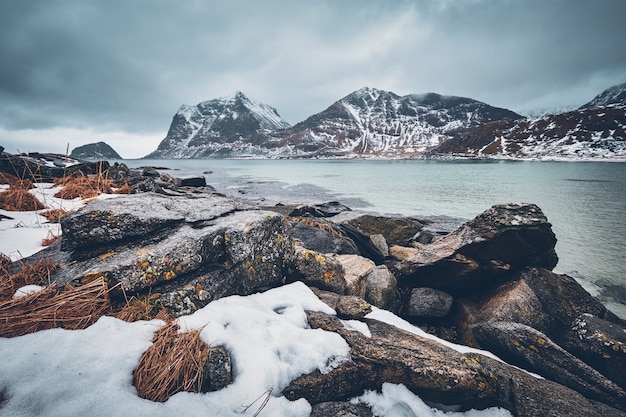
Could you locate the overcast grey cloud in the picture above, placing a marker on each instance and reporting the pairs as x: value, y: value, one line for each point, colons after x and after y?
x: 80, y: 71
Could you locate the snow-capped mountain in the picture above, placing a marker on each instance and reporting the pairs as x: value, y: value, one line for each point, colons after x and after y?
x: 372, y: 122
x: 218, y: 125
x: 595, y: 130
x: 615, y: 95
x: 368, y: 122
x: 99, y: 150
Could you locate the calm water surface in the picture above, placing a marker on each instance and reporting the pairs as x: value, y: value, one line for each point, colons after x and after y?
x: 584, y: 201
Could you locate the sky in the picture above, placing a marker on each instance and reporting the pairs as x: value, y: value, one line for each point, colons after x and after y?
x: 74, y: 72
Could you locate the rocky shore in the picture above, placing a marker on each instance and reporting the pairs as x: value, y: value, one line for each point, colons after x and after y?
x: 488, y: 285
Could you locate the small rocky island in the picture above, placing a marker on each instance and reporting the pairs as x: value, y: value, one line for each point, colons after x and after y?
x: 487, y: 284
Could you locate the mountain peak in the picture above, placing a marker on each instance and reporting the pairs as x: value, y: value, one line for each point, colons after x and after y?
x: 612, y: 95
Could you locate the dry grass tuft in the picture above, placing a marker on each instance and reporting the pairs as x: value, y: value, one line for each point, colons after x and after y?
x: 83, y: 187
x: 144, y: 308
x: 124, y: 189
x: 174, y: 363
x: 37, y: 273
x: 17, y: 198
x: 49, y: 240
x: 317, y: 224
x: 67, y: 307
x: 54, y: 215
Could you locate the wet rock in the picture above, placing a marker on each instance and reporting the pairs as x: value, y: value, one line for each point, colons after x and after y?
x: 502, y: 239
x: 319, y: 270
x: 532, y: 350
x: 381, y: 289
x: 428, y: 302
x: 193, y: 182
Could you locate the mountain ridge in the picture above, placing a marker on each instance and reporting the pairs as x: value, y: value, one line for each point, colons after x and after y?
x: 373, y: 123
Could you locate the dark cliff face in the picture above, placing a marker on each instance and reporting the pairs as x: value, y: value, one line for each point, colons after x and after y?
x: 98, y: 150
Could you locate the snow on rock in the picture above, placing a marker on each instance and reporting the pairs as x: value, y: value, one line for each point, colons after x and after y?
x: 27, y: 290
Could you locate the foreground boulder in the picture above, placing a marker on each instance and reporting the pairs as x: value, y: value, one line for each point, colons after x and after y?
x: 190, y: 250
x: 436, y: 373
x: 502, y: 239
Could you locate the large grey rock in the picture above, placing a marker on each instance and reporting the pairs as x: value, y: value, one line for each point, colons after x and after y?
x: 356, y: 268
x: 318, y: 270
x: 37, y: 166
x: 189, y: 250
x: 397, y: 230
x: 428, y: 302
x: 437, y: 374
x: 381, y: 289
x: 138, y: 217
x: 502, y: 239
x: 532, y: 350
x: 347, y: 307
x: 558, y: 307
x: 322, y: 237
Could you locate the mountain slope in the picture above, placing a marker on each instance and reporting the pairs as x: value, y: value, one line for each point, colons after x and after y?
x: 228, y: 122
x: 595, y: 130
x: 372, y: 122
x: 368, y: 122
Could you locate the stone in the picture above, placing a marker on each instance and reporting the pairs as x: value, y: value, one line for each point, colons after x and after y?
x: 340, y: 409
x: 396, y: 230
x: 328, y: 209
x: 193, y: 182
x: 402, y: 253
x: 217, y: 371
x: 363, y: 242
x: 347, y: 307
x: 502, y: 239
x: 46, y: 167
x: 318, y: 270
x: 428, y: 302
x: 381, y: 243
x: 189, y: 250
x: 530, y: 349
x: 381, y: 289
x: 436, y: 373
x: 322, y: 237
x: 356, y: 268
x: 601, y: 343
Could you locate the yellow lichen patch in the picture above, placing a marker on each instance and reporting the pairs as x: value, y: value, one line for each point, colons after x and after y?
x: 168, y: 275
x: 541, y: 341
x: 481, y: 386
x: 329, y: 274
x: 533, y: 348
x: 142, y: 252
x: 250, y: 267
x: 615, y: 348
x: 606, y: 356
x: 516, y: 342
x: 143, y: 264
x: 107, y: 255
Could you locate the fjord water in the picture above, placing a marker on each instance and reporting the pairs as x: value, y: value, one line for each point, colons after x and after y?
x: 584, y: 201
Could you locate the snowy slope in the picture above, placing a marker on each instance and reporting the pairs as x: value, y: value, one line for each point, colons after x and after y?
x: 615, y: 95
x: 197, y: 130
x: 587, y: 133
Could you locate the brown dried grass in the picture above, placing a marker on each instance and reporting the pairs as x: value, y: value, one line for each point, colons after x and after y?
x: 54, y: 215
x: 37, y: 273
x: 83, y: 187
x: 66, y: 307
x: 174, y: 363
x: 14, y: 181
x: 17, y: 198
x: 49, y: 240
x: 143, y: 308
